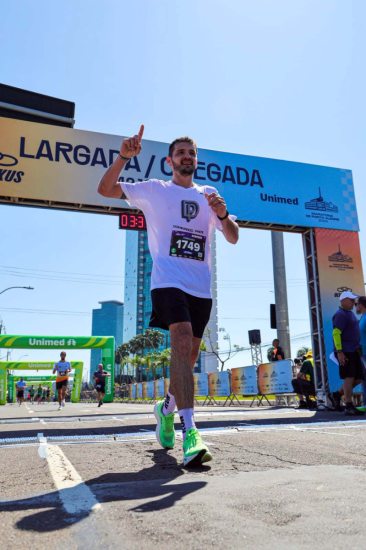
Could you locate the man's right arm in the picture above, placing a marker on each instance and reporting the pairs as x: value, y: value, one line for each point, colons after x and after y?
x: 108, y: 185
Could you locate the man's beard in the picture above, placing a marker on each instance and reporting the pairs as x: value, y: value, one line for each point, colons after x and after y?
x: 185, y: 169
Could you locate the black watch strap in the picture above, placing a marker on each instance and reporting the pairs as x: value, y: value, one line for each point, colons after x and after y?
x: 224, y: 217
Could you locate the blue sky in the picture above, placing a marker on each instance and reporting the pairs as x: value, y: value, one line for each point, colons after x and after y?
x: 280, y: 79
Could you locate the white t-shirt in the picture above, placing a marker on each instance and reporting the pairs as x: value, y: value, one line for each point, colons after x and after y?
x: 62, y: 368
x: 180, y: 224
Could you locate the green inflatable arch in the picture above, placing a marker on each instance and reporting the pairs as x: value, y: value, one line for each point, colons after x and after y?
x: 104, y: 343
x: 30, y: 380
x: 77, y: 371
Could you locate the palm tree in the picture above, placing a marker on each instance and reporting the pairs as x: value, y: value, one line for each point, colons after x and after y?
x: 165, y: 358
x: 135, y: 361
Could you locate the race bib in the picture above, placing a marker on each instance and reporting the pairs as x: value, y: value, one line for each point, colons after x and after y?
x: 187, y: 245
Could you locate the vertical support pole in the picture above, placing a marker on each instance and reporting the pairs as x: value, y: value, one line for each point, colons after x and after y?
x: 280, y: 288
x: 317, y: 337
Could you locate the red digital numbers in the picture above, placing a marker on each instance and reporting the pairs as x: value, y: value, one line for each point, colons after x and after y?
x: 128, y: 220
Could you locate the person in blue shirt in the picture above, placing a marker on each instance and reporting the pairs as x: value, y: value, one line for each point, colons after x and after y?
x: 20, y: 385
x: 346, y: 337
x: 360, y: 304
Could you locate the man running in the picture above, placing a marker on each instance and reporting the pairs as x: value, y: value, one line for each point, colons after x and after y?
x: 39, y: 394
x: 181, y: 218
x: 99, y: 377
x: 20, y: 385
x: 62, y: 369
x: 31, y: 394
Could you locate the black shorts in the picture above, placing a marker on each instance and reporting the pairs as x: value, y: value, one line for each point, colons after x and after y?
x: 172, y: 305
x: 62, y: 384
x: 100, y: 388
x: 20, y: 394
x: 353, y: 367
x: 303, y: 387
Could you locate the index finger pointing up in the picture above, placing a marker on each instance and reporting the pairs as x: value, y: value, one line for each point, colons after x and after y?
x: 141, y: 131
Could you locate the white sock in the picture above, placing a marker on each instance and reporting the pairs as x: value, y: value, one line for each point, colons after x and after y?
x: 169, y: 404
x: 187, y: 420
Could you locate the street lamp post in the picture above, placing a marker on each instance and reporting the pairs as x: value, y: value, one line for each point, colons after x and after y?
x: 9, y: 288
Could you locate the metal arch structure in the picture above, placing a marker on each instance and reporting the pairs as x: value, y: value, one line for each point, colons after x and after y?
x: 105, y: 343
x: 277, y: 195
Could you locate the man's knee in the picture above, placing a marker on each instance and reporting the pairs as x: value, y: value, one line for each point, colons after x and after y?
x: 181, y: 335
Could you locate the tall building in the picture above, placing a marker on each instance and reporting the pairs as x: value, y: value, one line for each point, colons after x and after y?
x: 137, y: 300
x: 106, y: 321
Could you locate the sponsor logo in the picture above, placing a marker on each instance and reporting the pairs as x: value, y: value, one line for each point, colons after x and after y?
x: 294, y: 201
x: 7, y: 160
x: 341, y: 289
x: 7, y: 174
x: 47, y: 342
x: 340, y: 261
x: 320, y: 205
x: 340, y: 257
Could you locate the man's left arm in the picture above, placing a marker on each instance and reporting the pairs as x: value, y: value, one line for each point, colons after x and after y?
x: 230, y: 228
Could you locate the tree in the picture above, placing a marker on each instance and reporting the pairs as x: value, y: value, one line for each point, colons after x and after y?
x: 122, y: 352
x: 212, y: 347
x: 137, y: 361
x: 165, y: 358
x: 302, y: 351
x: 150, y: 339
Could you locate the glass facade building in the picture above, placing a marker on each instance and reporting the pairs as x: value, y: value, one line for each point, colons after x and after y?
x: 106, y: 321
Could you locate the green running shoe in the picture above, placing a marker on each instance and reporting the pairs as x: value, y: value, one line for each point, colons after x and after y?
x: 165, y: 433
x: 195, y: 452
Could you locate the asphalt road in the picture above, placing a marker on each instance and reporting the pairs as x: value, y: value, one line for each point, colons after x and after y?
x: 96, y: 477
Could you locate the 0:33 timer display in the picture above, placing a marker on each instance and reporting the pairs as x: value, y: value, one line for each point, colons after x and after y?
x: 129, y: 220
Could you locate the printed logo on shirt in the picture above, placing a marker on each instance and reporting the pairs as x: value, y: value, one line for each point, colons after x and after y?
x: 190, y: 210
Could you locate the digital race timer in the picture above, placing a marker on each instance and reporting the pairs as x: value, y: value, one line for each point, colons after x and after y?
x: 129, y: 220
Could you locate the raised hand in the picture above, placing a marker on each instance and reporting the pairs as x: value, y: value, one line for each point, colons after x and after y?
x: 217, y: 203
x: 132, y: 146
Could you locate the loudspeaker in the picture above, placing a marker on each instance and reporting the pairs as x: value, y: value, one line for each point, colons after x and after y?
x: 254, y: 337
x: 273, y: 315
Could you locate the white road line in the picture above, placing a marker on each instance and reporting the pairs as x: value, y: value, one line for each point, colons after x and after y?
x: 76, y: 497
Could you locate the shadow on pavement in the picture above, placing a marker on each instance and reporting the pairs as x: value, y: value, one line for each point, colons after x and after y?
x: 148, y: 484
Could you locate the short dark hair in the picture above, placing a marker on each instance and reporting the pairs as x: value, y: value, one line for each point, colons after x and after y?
x: 184, y: 139
x: 362, y: 300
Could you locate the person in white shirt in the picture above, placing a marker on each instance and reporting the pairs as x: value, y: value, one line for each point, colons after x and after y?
x: 181, y: 218
x: 62, y: 370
